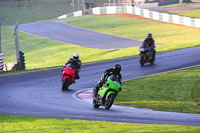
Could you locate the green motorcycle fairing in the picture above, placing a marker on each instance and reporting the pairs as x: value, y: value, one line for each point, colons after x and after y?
x: 109, y: 87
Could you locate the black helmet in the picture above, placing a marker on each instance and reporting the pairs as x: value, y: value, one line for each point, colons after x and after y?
x: 149, y: 35
x: 117, y: 68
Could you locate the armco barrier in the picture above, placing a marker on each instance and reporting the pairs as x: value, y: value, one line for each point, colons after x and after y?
x: 1, y: 61
x: 148, y: 5
x: 195, y: 0
x: 168, y: 2
x: 164, y: 17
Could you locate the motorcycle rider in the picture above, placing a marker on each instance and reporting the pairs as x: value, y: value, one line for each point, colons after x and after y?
x: 114, y: 70
x: 148, y: 43
x: 76, y: 62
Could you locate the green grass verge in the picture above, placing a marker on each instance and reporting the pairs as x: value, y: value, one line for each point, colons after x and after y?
x: 23, y: 124
x: 175, y: 36
x: 177, y: 91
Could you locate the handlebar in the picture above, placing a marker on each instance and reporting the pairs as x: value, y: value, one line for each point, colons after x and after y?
x: 146, y: 49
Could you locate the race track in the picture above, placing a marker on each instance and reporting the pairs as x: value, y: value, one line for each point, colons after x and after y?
x: 39, y: 93
x: 77, y: 36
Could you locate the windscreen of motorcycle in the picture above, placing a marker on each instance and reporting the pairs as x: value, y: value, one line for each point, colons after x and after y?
x: 115, y: 78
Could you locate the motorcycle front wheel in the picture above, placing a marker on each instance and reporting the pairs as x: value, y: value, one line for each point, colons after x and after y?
x: 95, y: 105
x: 109, y: 101
x: 142, y: 60
x: 65, y: 84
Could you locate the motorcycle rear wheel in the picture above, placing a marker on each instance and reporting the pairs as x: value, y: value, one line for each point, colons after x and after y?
x: 152, y: 60
x: 65, y: 85
x: 109, y: 101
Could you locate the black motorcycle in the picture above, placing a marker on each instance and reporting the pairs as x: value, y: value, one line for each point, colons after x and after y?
x: 146, y: 56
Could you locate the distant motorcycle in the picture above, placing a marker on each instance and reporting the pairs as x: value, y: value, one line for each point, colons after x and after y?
x: 107, y: 93
x: 147, y: 57
x: 68, y: 76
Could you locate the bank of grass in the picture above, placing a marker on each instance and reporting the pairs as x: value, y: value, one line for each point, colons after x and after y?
x: 183, y: 4
x: 32, y: 10
x: 44, y: 53
x: 177, y: 91
x: 189, y: 13
x: 27, y: 11
x: 9, y: 123
x: 175, y: 36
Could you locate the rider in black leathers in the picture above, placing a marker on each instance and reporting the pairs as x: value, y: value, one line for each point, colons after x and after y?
x: 114, y: 70
x: 148, y: 42
x: 77, y: 63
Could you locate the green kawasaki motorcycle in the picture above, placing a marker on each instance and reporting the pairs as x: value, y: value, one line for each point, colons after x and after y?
x: 107, y: 93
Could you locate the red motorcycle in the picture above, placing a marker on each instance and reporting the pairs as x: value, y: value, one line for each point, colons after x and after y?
x: 68, y: 76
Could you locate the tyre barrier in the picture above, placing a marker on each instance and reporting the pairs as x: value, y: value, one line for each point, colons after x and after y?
x: 1, y: 62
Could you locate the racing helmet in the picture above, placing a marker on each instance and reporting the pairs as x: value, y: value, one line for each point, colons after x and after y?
x: 117, y: 68
x: 149, y: 35
x: 75, y: 56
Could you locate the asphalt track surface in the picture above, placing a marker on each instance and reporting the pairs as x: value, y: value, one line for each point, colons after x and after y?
x: 78, y: 36
x: 174, y: 8
x: 39, y: 93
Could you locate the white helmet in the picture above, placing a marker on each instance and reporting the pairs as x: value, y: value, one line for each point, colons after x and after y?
x: 75, y: 55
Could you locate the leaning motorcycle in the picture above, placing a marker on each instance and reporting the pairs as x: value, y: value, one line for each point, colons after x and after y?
x: 107, y: 93
x: 148, y: 57
x: 68, y: 76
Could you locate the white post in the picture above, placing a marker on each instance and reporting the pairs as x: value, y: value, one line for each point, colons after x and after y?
x: 0, y: 31
x: 73, y: 5
x: 83, y: 6
x: 17, y: 43
x: 78, y: 5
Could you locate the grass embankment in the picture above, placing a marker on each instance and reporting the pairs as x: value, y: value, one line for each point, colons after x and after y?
x: 43, y: 53
x: 38, y: 124
x: 31, y: 10
x: 27, y: 11
x: 183, y: 4
x: 189, y: 12
x: 137, y: 27
x: 177, y: 91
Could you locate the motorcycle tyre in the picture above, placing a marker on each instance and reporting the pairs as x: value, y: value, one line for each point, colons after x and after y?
x: 95, y: 105
x: 142, y: 60
x: 65, y: 85
x: 109, y: 101
x: 152, y: 61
